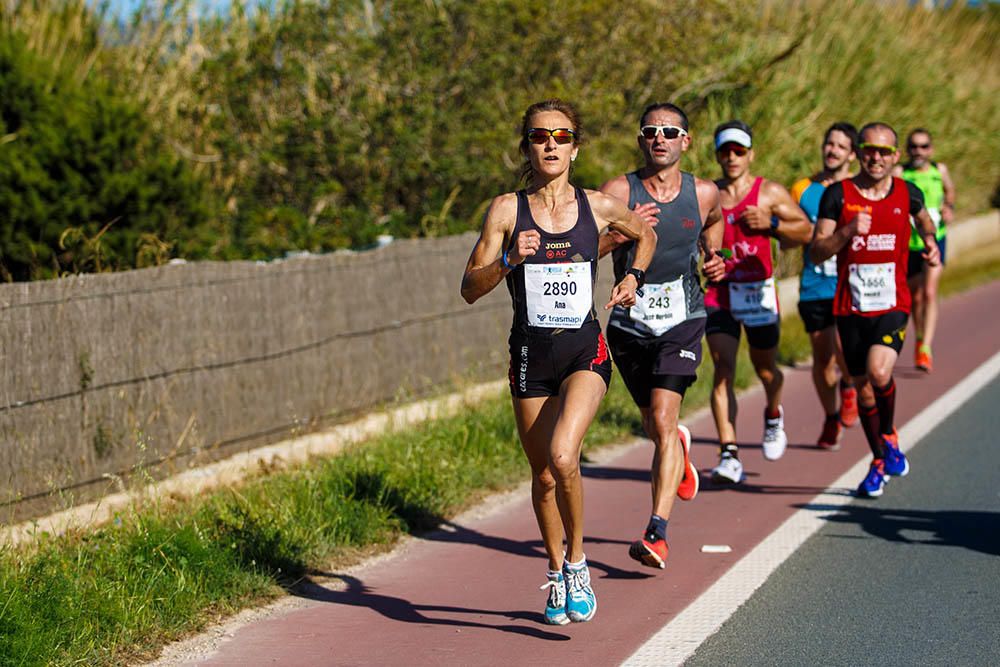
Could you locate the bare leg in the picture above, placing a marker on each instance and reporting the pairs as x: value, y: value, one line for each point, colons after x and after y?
x: 660, y: 422
x: 845, y: 374
x: 536, y: 418
x: 932, y: 278
x: 765, y: 362
x: 881, y: 361
x: 918, y: 303
x: 723, y: 350
x: 824, y: 368
x: 581, y: 394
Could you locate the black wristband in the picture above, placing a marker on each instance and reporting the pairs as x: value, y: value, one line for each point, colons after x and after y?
x: 638, y: 274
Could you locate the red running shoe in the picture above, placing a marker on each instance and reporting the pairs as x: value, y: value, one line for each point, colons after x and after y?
x: 923, y: 359
x: 829, y: 439
x: 848, y: 406
x: 650, y: 551
x: 688, y: 488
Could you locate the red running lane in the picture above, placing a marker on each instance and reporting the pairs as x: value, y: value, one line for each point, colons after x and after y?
x: 469, y: 594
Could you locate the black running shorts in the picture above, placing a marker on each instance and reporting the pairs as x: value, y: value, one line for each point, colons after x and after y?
x: 669, y: 361
x: 915, y: 264
x: 722, y: 321
x: 858, y: 334
x: 816, y: 315
x: 540, y: 364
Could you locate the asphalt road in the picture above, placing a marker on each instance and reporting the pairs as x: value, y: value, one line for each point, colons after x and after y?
x: 912, y: 578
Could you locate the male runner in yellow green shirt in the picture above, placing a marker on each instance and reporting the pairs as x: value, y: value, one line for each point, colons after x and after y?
x: 935, y: 182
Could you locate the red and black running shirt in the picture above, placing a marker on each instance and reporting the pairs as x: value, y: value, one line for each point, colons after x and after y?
x: 886, y: 242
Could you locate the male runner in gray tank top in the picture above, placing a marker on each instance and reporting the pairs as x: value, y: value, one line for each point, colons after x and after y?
x: 657, y: 343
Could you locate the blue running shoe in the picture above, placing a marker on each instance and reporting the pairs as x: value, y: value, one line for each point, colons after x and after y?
x: 555, y: 606
x: 896, y: 463
x: 874, y: 482
x: 581, y: 603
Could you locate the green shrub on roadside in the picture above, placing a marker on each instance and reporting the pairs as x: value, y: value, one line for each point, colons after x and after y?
x: 84, y: 185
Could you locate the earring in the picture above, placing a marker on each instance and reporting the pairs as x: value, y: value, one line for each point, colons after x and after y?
x: 573, y: 159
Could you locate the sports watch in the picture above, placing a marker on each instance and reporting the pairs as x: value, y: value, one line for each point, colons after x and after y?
x: 639, y: 275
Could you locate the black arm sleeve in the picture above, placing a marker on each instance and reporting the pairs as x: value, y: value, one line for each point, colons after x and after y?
x: 832, y: 202
x: 916, y: 198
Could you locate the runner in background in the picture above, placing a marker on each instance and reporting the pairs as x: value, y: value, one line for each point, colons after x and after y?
x: 817, y: 285
x: 755, y: 210
x: 544, y: 242
x: 656, y: 344
x: 865, y: 220
x: 935, y: 182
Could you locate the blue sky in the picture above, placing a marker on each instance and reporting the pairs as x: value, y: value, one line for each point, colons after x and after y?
x: 125, y: 7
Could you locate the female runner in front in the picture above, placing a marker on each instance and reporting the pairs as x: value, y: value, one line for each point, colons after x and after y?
x: 544, y: 241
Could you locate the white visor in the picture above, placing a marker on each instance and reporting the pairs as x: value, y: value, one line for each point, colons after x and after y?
x: 732, y: 135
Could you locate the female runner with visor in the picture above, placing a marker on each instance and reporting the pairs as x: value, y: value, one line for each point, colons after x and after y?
x: 543, y: 241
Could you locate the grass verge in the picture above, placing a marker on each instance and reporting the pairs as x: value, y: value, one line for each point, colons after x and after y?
x: 166, y: 569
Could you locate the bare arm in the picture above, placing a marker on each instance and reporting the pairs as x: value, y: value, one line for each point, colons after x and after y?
x: 775, y: 204
x: 710, y: 207
x: 925, y: 227
x: 828, y: 239
x: 619, y: 189
x: 948, y: 208
x: 612, y: 214
x: 793, y: 227
x: 485, y: 269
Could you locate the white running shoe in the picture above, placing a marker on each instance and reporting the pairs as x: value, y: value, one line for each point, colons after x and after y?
x: 729, y: 470
x: 775, y: 439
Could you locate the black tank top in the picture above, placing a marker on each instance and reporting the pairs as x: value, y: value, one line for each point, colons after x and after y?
x: 676, y: 254
x: 575, y: 249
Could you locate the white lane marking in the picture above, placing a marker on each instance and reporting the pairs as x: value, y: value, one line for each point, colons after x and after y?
x: 681, y: 637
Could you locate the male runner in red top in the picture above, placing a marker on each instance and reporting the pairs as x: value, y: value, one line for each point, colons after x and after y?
x: 754, y: 211
x: 865, y: 221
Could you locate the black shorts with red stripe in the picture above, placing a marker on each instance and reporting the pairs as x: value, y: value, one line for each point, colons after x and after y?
x: 669, y: 361
x: 540, y: 364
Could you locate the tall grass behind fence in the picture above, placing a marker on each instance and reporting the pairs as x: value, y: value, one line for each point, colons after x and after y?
x: 427, y: 97
x: 320, y: 125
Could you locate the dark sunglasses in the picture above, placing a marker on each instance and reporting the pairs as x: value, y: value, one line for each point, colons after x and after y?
x: 922, y: 146
x: 668, y: 131
x: 881, y: 149
x: 540, y: 135
x: 725, y: 149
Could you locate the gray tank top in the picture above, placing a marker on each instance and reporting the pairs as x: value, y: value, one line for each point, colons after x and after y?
x: 676, y: 255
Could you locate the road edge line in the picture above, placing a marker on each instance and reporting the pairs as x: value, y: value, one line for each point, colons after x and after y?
x: 676, y: 641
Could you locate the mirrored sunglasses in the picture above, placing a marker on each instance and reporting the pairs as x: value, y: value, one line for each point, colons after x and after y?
x: 881, y: 149
x: 540, y: 135
x: 726, y: 149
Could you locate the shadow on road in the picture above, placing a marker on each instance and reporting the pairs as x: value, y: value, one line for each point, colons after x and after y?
x: 458, y: 534
x: 714, y: 442
x: 978, y: 531
x: 397, y: 609
x: 747, y: 486
x: 706, y: 484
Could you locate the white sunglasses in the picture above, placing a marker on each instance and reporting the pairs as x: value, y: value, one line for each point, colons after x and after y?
x: 668, y: 131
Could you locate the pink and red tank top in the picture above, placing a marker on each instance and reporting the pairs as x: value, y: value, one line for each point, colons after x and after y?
x: 751, y: 260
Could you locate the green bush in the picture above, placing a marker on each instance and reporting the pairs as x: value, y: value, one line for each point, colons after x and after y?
x: 85, y: 185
